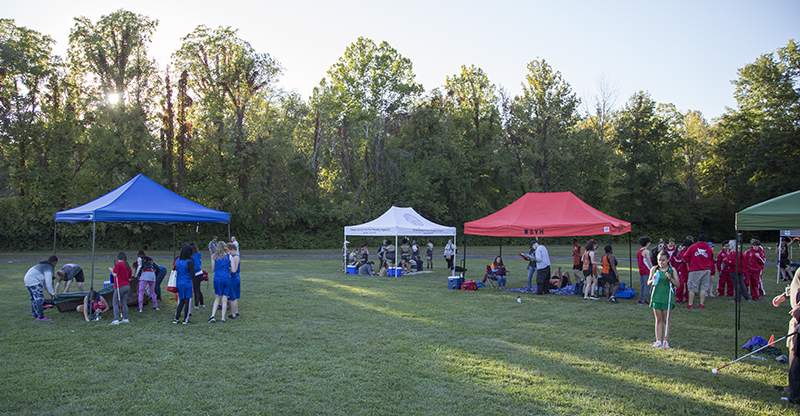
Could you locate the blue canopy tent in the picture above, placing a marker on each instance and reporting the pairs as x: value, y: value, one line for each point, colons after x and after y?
x: 140, y: 200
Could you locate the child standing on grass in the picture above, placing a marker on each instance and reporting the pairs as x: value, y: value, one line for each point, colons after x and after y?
x: 222, y: 281
x: 122, y: 286
x: 236, y: 281
x: 184, y: 265
x: 662, y: 279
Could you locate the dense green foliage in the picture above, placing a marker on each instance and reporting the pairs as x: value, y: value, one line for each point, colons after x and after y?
x: 215, y: 126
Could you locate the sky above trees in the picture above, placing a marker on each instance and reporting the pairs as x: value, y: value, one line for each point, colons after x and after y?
x: 681, y: 52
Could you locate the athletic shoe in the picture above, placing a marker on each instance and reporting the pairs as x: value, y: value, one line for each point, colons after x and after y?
x: 140, y: 310
x: 665, y: 344
x: 174, y: 321
x: 125, y: 321
x: 211, y: 320
x: 232, y: 317
x: 585, y: 298
x: 194, y: 308
x: 702, y: 306
x: 114, y: 322
x: 712, y: 295
x: 614, y: 300
x: 688, y: 307
x: 185, y: 322
x: 593, y: 297
x: 44, y: 319
x: 656, y: 344
x: 157, y: 309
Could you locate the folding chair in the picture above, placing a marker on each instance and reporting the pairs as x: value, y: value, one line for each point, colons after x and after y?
x: 490, y: 276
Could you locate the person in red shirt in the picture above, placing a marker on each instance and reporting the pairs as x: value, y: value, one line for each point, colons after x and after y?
x: 700, y: 259
x: 122, y: 286
x: 725, y: 281
x: 645, y: 264
x: 677, y: 262
x: 754, y: 260
x: 736, y: 269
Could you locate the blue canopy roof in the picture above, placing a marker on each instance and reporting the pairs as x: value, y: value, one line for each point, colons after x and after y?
x: 142, y: 200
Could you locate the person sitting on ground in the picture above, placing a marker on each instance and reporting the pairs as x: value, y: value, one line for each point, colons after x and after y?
x: 499, y: 270
x: 68, y: 273
x: 559, y: 280
x: 609, y: 273
x: 366, y: 269
x: 93, y: 304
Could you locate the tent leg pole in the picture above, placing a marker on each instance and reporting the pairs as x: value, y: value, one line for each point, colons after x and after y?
x: 55, y: 229
x: 630, y: 258
x: 737, y: 311
x: 173, y: 241
x: 464, y: 258
x: 91, y: 284
x: 501, y: 245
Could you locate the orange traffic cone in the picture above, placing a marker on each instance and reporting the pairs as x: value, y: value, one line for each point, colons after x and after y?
x: 771, y: 340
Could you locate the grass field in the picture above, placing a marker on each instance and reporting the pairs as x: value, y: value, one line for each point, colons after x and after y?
x: 312, y: 340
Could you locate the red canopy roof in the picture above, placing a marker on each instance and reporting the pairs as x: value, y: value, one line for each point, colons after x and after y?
x: 556, y: 214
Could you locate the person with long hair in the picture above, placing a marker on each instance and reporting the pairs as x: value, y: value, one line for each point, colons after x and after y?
x: 197, y: 278
x: 661, y: 279
x: 184, y: 265
x: 146, y: 272
x: 236, y: 281
x: 122, y: 286
x: 222, y: 281
x: 589, y: 276
x: 645, y: 266
x: 610, y: 275
x: 93, y: 304
x: 499, y: 270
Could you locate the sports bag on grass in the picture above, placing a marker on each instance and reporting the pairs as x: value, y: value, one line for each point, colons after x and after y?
x: 172, y: 283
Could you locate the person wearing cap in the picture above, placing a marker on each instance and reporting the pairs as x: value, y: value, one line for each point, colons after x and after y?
x: 754, y: 261
x: 700, y: 259
x: 37, y: 279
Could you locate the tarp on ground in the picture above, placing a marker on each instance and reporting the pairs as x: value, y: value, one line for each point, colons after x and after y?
x: 399, y: 221
x: 778, y: 213
x: 552, y: 214
x: 142, y: 200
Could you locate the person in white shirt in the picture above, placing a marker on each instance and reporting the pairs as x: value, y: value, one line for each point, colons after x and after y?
x: 542, y: 267
x: 37, y: 279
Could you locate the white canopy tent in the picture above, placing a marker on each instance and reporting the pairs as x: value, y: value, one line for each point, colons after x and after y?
x: 399, y: 221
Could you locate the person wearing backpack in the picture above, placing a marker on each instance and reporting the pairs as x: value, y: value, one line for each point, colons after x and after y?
x: 146, y: 272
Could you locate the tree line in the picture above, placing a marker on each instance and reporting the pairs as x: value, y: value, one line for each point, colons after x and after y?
x: 215, y: 126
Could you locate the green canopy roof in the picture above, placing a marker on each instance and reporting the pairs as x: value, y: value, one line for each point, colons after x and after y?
x: 779, y: 213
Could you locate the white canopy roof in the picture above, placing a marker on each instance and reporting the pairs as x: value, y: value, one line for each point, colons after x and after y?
x: 399, y: 221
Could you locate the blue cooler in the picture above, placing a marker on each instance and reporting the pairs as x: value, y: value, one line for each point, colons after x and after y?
x: 107, y: 284
x: 455, y: 282
x: 395, y: 270
x: 351, y: 270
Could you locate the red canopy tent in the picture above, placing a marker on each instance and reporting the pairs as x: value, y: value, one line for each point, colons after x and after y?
x: 554, y: 214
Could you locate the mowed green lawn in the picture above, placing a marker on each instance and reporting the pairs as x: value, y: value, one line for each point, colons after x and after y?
x: 312, y: 340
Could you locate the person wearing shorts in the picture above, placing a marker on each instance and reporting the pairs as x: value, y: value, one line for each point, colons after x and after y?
x: 590, y: 280
x: 700, y: 258
x: 68, y: 273
x: 609, y: 274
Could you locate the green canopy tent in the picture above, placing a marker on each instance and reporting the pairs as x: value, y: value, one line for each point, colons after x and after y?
x: 778, y: 213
